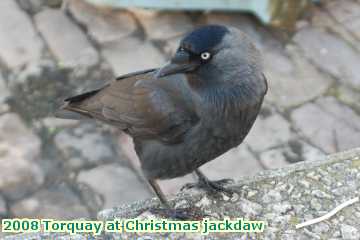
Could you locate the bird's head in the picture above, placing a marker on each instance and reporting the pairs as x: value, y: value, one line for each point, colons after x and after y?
x: 214, y: 53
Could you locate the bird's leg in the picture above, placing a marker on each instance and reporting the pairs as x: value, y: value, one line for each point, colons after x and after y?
x: 155, y: 186
x: 211, y: 187
x: 168, y: 211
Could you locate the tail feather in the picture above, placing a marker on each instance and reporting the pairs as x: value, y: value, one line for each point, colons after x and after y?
x: 83, y: 96
x: 67, y: 112
x: 72, y: 109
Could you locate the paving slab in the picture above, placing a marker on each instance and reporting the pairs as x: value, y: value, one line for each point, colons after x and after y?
x: 163, y: 25
x: 169, y: 46
x: 3, y: 207
x: 321, y: 18
x: 328, y: 132
x: 20, y: 45
x: 56, y: 202
x: 31, y: 6
x: 4, y: 90
x: 343, y: 11
x: 102, y: 24
x: 292, y: 79
x: 233, y: 164
x: 20, y: 173
x: 331, y: 54
x: 131, y: 54
x: 296, y: 150
x: 85, y: 146
x: 117, y: 184
x: 44, y: 85
x: 67, y: 42
x: 354, y: 27
x: 346, y: 13
x: 340, y: 111
x: 269, y: 132
x: 349, y: 96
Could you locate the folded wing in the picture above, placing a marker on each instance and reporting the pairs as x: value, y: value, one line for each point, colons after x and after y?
x: 140, y: 105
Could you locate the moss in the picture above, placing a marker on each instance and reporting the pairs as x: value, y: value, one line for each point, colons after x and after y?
x: 294, y: 220
x: 355, y: 163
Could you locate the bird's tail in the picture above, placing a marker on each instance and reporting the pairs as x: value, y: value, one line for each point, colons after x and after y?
x: 67, y: 112
x: 73, y: 109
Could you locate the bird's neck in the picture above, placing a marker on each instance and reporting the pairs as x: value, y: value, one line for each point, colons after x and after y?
x: 204, y: 77
x: 224, y: 100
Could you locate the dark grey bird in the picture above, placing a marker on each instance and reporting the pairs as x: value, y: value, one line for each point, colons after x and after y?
x: 188, y: 112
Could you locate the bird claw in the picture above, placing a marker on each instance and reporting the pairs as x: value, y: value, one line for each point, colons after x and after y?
x: 211, y: 187
x: 224, y: 181
x: 188, y: 186
x: 179, y: 213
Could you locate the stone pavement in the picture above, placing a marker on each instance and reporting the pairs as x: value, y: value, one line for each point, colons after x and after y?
x: 66, y: 169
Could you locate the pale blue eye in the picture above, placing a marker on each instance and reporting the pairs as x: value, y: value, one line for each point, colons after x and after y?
x: 205, y: 56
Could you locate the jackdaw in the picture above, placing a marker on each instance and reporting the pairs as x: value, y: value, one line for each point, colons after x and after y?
x: 188, y: 112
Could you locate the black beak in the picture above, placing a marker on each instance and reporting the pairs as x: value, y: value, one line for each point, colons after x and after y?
x: 180, y: 63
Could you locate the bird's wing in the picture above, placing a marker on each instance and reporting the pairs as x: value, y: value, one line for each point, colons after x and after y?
x: 140, y: 105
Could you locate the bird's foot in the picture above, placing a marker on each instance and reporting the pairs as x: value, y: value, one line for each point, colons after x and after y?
x: 213, y: 188
x: 192, y: 213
